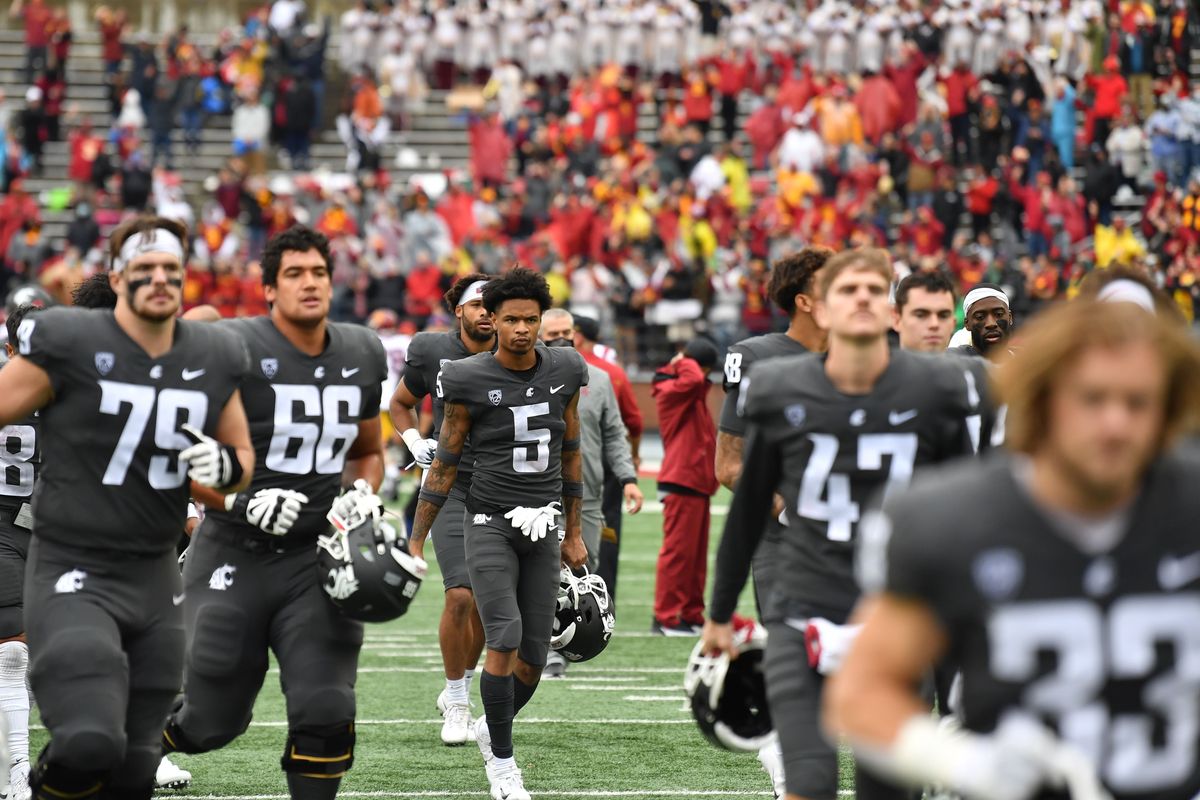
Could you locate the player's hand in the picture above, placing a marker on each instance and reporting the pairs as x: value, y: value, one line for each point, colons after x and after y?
x: 423, y: 451
x: 1021, y: 759
x: 272, y: 511
x: 633, y: 498
x: 717, y: 637
x: 209, y: 462
x: 357, y: 504
x: 574, y: 551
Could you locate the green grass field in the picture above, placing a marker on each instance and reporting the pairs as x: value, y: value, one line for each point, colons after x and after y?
x: 615, y: 727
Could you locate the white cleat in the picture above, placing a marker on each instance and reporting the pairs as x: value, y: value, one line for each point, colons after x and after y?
x: 442, y: 703
x: 169, y: 776
x: 18, y: 777
x: 771, y: 758
x: 456, y: 730
x: 509, y: 786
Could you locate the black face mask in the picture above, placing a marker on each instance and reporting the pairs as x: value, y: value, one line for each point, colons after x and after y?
x: 561, y: 341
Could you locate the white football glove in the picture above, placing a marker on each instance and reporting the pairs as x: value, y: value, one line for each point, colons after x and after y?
x: 272, y: 511
x: 209, y: 462
x: 352, y: 508
x: 534, y: 522
x: 422, y: 450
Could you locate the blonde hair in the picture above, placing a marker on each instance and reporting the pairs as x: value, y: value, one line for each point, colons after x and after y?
x: 1059, y: 336
x: 871, y: 259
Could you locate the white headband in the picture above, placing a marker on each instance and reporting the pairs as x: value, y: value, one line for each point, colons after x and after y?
x: 975, y: 295
x: 1127, y: 291
x: 158, y: 240
x: 473, y: 292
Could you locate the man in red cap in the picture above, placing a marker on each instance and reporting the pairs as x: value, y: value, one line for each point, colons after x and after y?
x: 1110, y: 90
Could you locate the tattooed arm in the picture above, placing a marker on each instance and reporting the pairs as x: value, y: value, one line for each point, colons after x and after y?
x: 456, y: 424
x: 574, y: 551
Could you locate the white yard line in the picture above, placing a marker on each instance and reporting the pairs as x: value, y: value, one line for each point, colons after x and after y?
x: 540, y: 792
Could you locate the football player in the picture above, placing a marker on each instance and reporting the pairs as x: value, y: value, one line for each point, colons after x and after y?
x: 250, y: 579
x: 923, y: 314
x: 130, y: 402
x: 1071, y: 600
x: 987, y: 319
x: 827, y: 432
x: 22, y: 461
x: 460, y: 631
x: 792, y: 289
x: 519, y: 405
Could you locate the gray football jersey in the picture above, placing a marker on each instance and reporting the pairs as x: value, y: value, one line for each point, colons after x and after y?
x: 1101, y: 646
x: 112, y: 477
x: 738, y: 361
x: 427, y: 354
x: 304, y: 413
x: 516, y: 424
x: 20, y: 462
x: 828, y: 454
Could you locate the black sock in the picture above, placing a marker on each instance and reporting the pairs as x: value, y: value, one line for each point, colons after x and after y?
x: 498, y: 707
x: 302, y: 787
x: 522, y: 691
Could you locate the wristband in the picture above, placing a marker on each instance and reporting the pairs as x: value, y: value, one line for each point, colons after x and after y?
x: 446, y: 457
x: 410, y: 437
x: 237, y: 503
x: 570, y: 444
x: 627, y: 481
x: 235, y: 466
x: 572, y: 488
x: 433, y: 498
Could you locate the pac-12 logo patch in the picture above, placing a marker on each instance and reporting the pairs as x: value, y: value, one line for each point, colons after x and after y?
x: 270, y: 366
x: 795, y: 414
x: 495, y: 396
x: 105, y: 362
x: 998, y: 573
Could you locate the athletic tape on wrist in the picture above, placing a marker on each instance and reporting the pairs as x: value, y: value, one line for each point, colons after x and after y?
x: 446, y: 457
x: 572, y: 489
x: 433, y: 498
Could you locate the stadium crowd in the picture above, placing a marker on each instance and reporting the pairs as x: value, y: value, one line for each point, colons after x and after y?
x: 995, y: 141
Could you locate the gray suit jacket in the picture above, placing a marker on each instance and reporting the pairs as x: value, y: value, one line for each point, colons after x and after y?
x: 605, y: 441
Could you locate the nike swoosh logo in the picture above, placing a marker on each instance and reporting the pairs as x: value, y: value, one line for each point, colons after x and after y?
x: 901, y: 417
x: 346, y: 373
x: 1175, y: 573
x: 176, y: 599
x: 192, y: 374
x: 554, y: 389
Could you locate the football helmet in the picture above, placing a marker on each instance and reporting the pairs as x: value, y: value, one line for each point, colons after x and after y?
x: 585, y: 619
x: 366, y: 569
x: 729, y: 698
x: 29, y: 294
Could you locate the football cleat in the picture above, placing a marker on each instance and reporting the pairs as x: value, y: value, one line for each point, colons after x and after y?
x: 456, y: 729
x: 484, y: 740
x: 509, y: 785
x: 442, y: 702
x: 169, y: 776
x: 729, y: 698
x: 18, y: 786
x: 771, y: 758
x: 584, y: 620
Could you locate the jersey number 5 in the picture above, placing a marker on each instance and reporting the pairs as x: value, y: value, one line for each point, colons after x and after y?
x: 539, y: 438
x: 838, y: 507
x: 171, y: 408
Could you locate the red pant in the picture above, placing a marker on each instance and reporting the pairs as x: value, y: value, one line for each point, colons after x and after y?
x: 683, y: 560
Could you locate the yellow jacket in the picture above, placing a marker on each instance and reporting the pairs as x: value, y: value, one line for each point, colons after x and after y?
x: 1113, y: 247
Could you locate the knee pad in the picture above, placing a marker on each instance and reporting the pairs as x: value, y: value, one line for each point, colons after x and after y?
x: 319, y: 708
x: 218, y: 641
x: 319, y: 752
x: 14, y: 662
x: 175, y: 740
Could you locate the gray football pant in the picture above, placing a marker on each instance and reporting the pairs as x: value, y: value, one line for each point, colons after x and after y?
x: 106, y: 642
x: 267, y: 600
x: 515, y: 582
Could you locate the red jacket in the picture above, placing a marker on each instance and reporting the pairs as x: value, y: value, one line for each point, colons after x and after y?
x: 958, y: 85
x: 688, y: 433
x: 631, y: 415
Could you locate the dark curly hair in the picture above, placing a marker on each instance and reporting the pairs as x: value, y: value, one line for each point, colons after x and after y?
x: 461, y: 285
x: 15, y: 318
x: 94, y: 292
x: 934, y: 282
x: 793, y: 275
x: 296, y: 239
x: 517, y: 284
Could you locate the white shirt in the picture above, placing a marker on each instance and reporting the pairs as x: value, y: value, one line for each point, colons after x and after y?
x: 801, y: 150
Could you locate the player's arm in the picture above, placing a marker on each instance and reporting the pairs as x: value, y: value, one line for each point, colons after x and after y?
x: 365, y: 459
x: 402, y: 407
x: 729, y: 459
x: 456, y: 425
x: 24, y: 388
x: 574, y: 551
x: 744, y: 525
